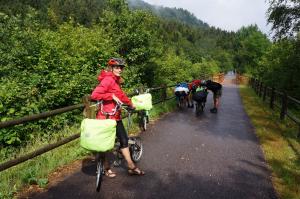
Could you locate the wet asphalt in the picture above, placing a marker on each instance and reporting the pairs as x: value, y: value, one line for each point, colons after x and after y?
x: 213, y: 156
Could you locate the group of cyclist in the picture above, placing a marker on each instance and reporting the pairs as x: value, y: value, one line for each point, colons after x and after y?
x: 197, y: 91
x: 110, y: 92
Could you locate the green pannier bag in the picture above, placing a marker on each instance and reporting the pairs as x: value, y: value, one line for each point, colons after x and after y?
x: 98, y: 135
x: 200, y: 88
x: 142, y: 102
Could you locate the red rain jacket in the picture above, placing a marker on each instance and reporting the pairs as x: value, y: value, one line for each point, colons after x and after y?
x: 195, y: 82
x: 109, y: 85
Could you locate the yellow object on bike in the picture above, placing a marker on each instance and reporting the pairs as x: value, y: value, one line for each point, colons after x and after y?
x: 200, y: 88
x: 142, y: 102
x: 98, y: 135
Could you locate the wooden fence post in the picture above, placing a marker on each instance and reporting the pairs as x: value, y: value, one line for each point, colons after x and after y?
x: 141, y: 89
x: 260, y: 89
x: 88, y: 112
x: 264, y: 93
x: 283, y: 106
x: 272, y: 97
x: 257, y: 86
x: 164, y: 92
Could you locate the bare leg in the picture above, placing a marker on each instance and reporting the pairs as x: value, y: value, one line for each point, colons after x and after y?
x: 126, y: 154
x: 108, y: 172
x: 216, y: 102
x: 132, y: 169
x: 190, y: 102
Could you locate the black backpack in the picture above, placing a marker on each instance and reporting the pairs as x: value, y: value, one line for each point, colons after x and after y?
x: 200, y: 96
x: 213, y: 86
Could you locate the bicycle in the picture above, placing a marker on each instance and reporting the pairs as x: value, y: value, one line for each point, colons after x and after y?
x: 143, y: 115
x: 200, y: 107
x: 134, y: 142
x: 200, y: 99
x: 135, y: 147
x: 181, y: 101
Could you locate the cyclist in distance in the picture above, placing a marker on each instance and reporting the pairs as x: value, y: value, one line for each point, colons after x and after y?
x: 216, y: 88
x: 110, y: 92
x: 181, y: 92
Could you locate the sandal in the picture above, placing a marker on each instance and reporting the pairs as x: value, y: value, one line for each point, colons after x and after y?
x: 109, y: 173
x: 136, y: 171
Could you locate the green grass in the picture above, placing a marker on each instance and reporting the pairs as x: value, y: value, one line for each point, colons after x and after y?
x: 279, y: 143
x: 36, y: 171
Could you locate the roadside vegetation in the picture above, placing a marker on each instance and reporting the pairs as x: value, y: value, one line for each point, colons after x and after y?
x: 279, y: 144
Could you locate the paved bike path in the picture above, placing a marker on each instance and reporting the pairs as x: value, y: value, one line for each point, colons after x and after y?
x: 210, y: 156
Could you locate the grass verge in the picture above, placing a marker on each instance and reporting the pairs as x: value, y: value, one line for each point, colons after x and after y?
x: 37, y: 170
x: 279, y: 143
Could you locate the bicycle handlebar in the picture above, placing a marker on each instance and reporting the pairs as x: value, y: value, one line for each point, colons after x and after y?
x: 118, y: 106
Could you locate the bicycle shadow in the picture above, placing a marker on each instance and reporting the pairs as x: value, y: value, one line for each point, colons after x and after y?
x: 88, y: 165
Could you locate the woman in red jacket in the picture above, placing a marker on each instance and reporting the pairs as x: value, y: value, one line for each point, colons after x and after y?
x: 110, y: 92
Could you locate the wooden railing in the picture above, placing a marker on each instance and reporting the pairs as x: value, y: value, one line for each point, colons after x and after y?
x: 218, y: 77
x: 241, y: 79
x: 85, y: 105
x: 276, y: 99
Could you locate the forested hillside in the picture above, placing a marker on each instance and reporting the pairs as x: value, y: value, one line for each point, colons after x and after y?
x: 53, y: 50
x: 176, y: 14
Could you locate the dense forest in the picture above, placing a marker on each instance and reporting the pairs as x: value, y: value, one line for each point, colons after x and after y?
x: 53, y: 50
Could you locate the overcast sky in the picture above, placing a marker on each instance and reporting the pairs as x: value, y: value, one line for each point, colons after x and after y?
x: 226, y: 14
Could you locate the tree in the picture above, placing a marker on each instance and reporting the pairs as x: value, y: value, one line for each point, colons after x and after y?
x: 285, y: 17
x: 251, y: 45
x: 280, y: 66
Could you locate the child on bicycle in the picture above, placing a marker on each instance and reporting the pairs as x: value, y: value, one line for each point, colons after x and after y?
x: 110, y: 92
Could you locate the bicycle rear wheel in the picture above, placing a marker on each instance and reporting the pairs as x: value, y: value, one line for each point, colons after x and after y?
x: 99, y: 171
x: 197, y: 109
x: 202, y: 106
x: 182, y: 102
x: 143, y: 123
x: 136, y: 149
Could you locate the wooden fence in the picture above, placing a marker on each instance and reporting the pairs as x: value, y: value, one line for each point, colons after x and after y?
x: 86, y: 104
x: 218, y: 77
x: 274, y: 97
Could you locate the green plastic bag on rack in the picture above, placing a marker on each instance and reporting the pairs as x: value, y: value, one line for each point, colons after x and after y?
x: 142, y: 102
x: 98, y: 135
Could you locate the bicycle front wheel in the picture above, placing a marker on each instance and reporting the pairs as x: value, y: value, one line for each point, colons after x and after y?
x: 99, y: 171
x: 136, y: 149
